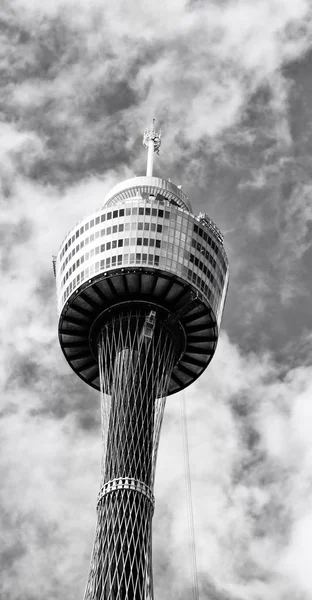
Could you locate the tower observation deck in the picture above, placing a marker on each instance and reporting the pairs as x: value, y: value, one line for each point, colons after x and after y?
x: 141, y: 286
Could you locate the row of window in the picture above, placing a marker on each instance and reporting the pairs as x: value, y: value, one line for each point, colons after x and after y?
x: 157, y: 228
x: 198, y: 263
x: 206, y: 237
x: 197, y: 280
x: 108, y: 263
x: 108, y: 246
x: 134, y: 210
x: 208, y: 257
x: 132, y: 258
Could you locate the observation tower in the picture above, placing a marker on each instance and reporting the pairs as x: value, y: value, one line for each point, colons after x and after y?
x: 141, y: 286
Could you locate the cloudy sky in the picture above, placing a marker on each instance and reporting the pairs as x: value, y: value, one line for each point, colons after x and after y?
x: 230, y: 82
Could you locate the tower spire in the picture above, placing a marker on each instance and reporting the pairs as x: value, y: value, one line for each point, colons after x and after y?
x: 151, y: 141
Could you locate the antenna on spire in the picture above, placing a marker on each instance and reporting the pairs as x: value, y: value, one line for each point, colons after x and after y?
x: 151, y: 141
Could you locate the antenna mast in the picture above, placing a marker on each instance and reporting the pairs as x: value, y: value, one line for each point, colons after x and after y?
x: 151, y: 141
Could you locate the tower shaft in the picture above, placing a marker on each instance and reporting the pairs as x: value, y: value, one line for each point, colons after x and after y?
x: 136, y: 359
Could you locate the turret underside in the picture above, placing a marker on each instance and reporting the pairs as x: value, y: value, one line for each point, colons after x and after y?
x: 181, y: 308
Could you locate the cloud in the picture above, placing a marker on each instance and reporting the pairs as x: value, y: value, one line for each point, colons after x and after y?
x: 80, y: 80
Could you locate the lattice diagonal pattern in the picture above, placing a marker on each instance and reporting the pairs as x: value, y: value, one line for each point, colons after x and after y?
x: 136, y: 358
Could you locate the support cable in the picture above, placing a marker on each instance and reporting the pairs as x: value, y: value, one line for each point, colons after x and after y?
x: 188, y: 485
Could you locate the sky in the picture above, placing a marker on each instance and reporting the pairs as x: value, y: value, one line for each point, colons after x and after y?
x: 230, y: 84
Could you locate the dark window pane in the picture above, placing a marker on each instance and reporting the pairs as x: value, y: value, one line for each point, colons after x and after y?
x: 159, y: 228
x: 120, y: 243
x: 115, y: 214
x: 122, y: 212
x: 141, y: 210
